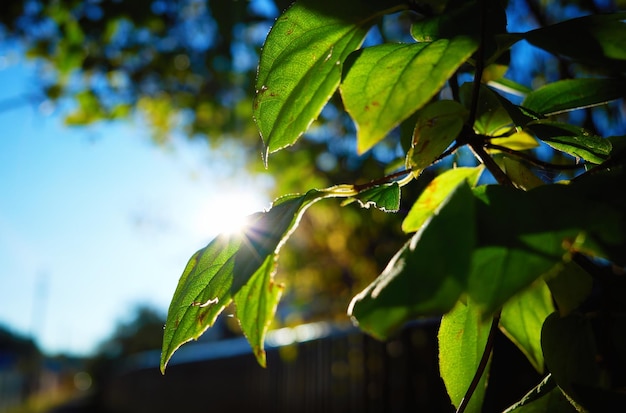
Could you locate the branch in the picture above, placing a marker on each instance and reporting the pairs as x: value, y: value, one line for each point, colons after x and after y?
x: 482, y: 365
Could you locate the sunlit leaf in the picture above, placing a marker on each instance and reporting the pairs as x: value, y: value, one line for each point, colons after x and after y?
x: 572, y: 139
x: 519, y: 141
x: 599, y: 40
x: 385, y: 84
x: 385, y: 197
x: 427, y: 275
x: 435, y: 194
x: 256, y: 305
x: 520, y: 175
x: 571, y: 94
x: 522, y: 318
x: 438, y: 125
x: 462, y: 338
x: 546, y: 397
x: 491, y: 117
x: 300, y: 66
x: 230, y: 263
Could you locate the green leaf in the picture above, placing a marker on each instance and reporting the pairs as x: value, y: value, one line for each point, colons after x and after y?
x: 519, y: 174
x: 438, y: 125
x: 437, y: 191
x: 571, y: 94
x: 570, y: 287
x: 572, y: 139
x: 522, y: 318
x: 462, y: 339
x: 225, y: 267
x: 571, y: 353
x: 385, y: 84
x: 491, y: 116
x: 300, y: 65
x: 599, y: 40
x: 522, y: 237
x: 546, y: 397
x: 256, y: 305
x: 385, y: 197
x: 427, y: 275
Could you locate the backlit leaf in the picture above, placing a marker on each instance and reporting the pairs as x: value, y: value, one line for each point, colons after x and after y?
x: 572, y: 139
x: 300, y: 66
x: 462, y: 338
x: 522, y: 318
x: 385, y: 84
x: 427, y: 275
x: 570, y: 94
x: 435, y: 194
x: 438, y: 125
x: 385, y: 197
x: 230, y: 263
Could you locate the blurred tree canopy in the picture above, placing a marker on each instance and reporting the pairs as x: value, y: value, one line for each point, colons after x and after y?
x: 190, y: 65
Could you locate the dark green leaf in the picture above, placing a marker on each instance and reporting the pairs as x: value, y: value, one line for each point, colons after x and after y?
x: 427, y: 276
x: 570, y: 287
x: 596, y: 40
x: 462, y: 338
x: 385, y: 84
x: 301, y: 62
x: 571, y: 94
x: 572, y: 139
x: 546, y: 397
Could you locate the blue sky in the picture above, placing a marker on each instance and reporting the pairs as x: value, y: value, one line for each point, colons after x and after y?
x: 96, y: 220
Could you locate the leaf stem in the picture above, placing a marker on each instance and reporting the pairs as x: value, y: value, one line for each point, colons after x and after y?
x: 384, y: 180
x: 490, y: 164
x: 482, y: 365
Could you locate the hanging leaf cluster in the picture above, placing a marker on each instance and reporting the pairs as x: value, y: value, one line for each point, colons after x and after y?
x: 491, y: 246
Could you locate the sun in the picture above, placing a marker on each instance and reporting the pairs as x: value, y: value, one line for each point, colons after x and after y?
x: 227, y: 213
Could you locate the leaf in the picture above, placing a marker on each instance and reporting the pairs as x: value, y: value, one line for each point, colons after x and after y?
x: 491, y: 117
x: 523, y: 236
x: 570, y: 287
x: 256, y: 305
x: 599, y: 38
x: 225, y: 267
x: 546, y: 397
x: 522, y: 318
x: 427, y: 275
x: 571, y: 353
x: 462, y: 339
x: 438, y: 125
x: 571, y: 94
x: 385, y: 197
x: 520, y: 175
x: 437, y: 191
x: 572, y: 139
x: 518, y: 141
x: 300, y: 64
x: 385, y: 84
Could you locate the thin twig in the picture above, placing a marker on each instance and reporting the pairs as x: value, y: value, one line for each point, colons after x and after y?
x: 380, y: 181
x: 482, y: 365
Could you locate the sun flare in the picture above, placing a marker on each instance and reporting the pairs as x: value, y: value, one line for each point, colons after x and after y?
x: 230, y: 212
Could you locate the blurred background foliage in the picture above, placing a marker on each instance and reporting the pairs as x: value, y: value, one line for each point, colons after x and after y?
x: 188, y: 66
